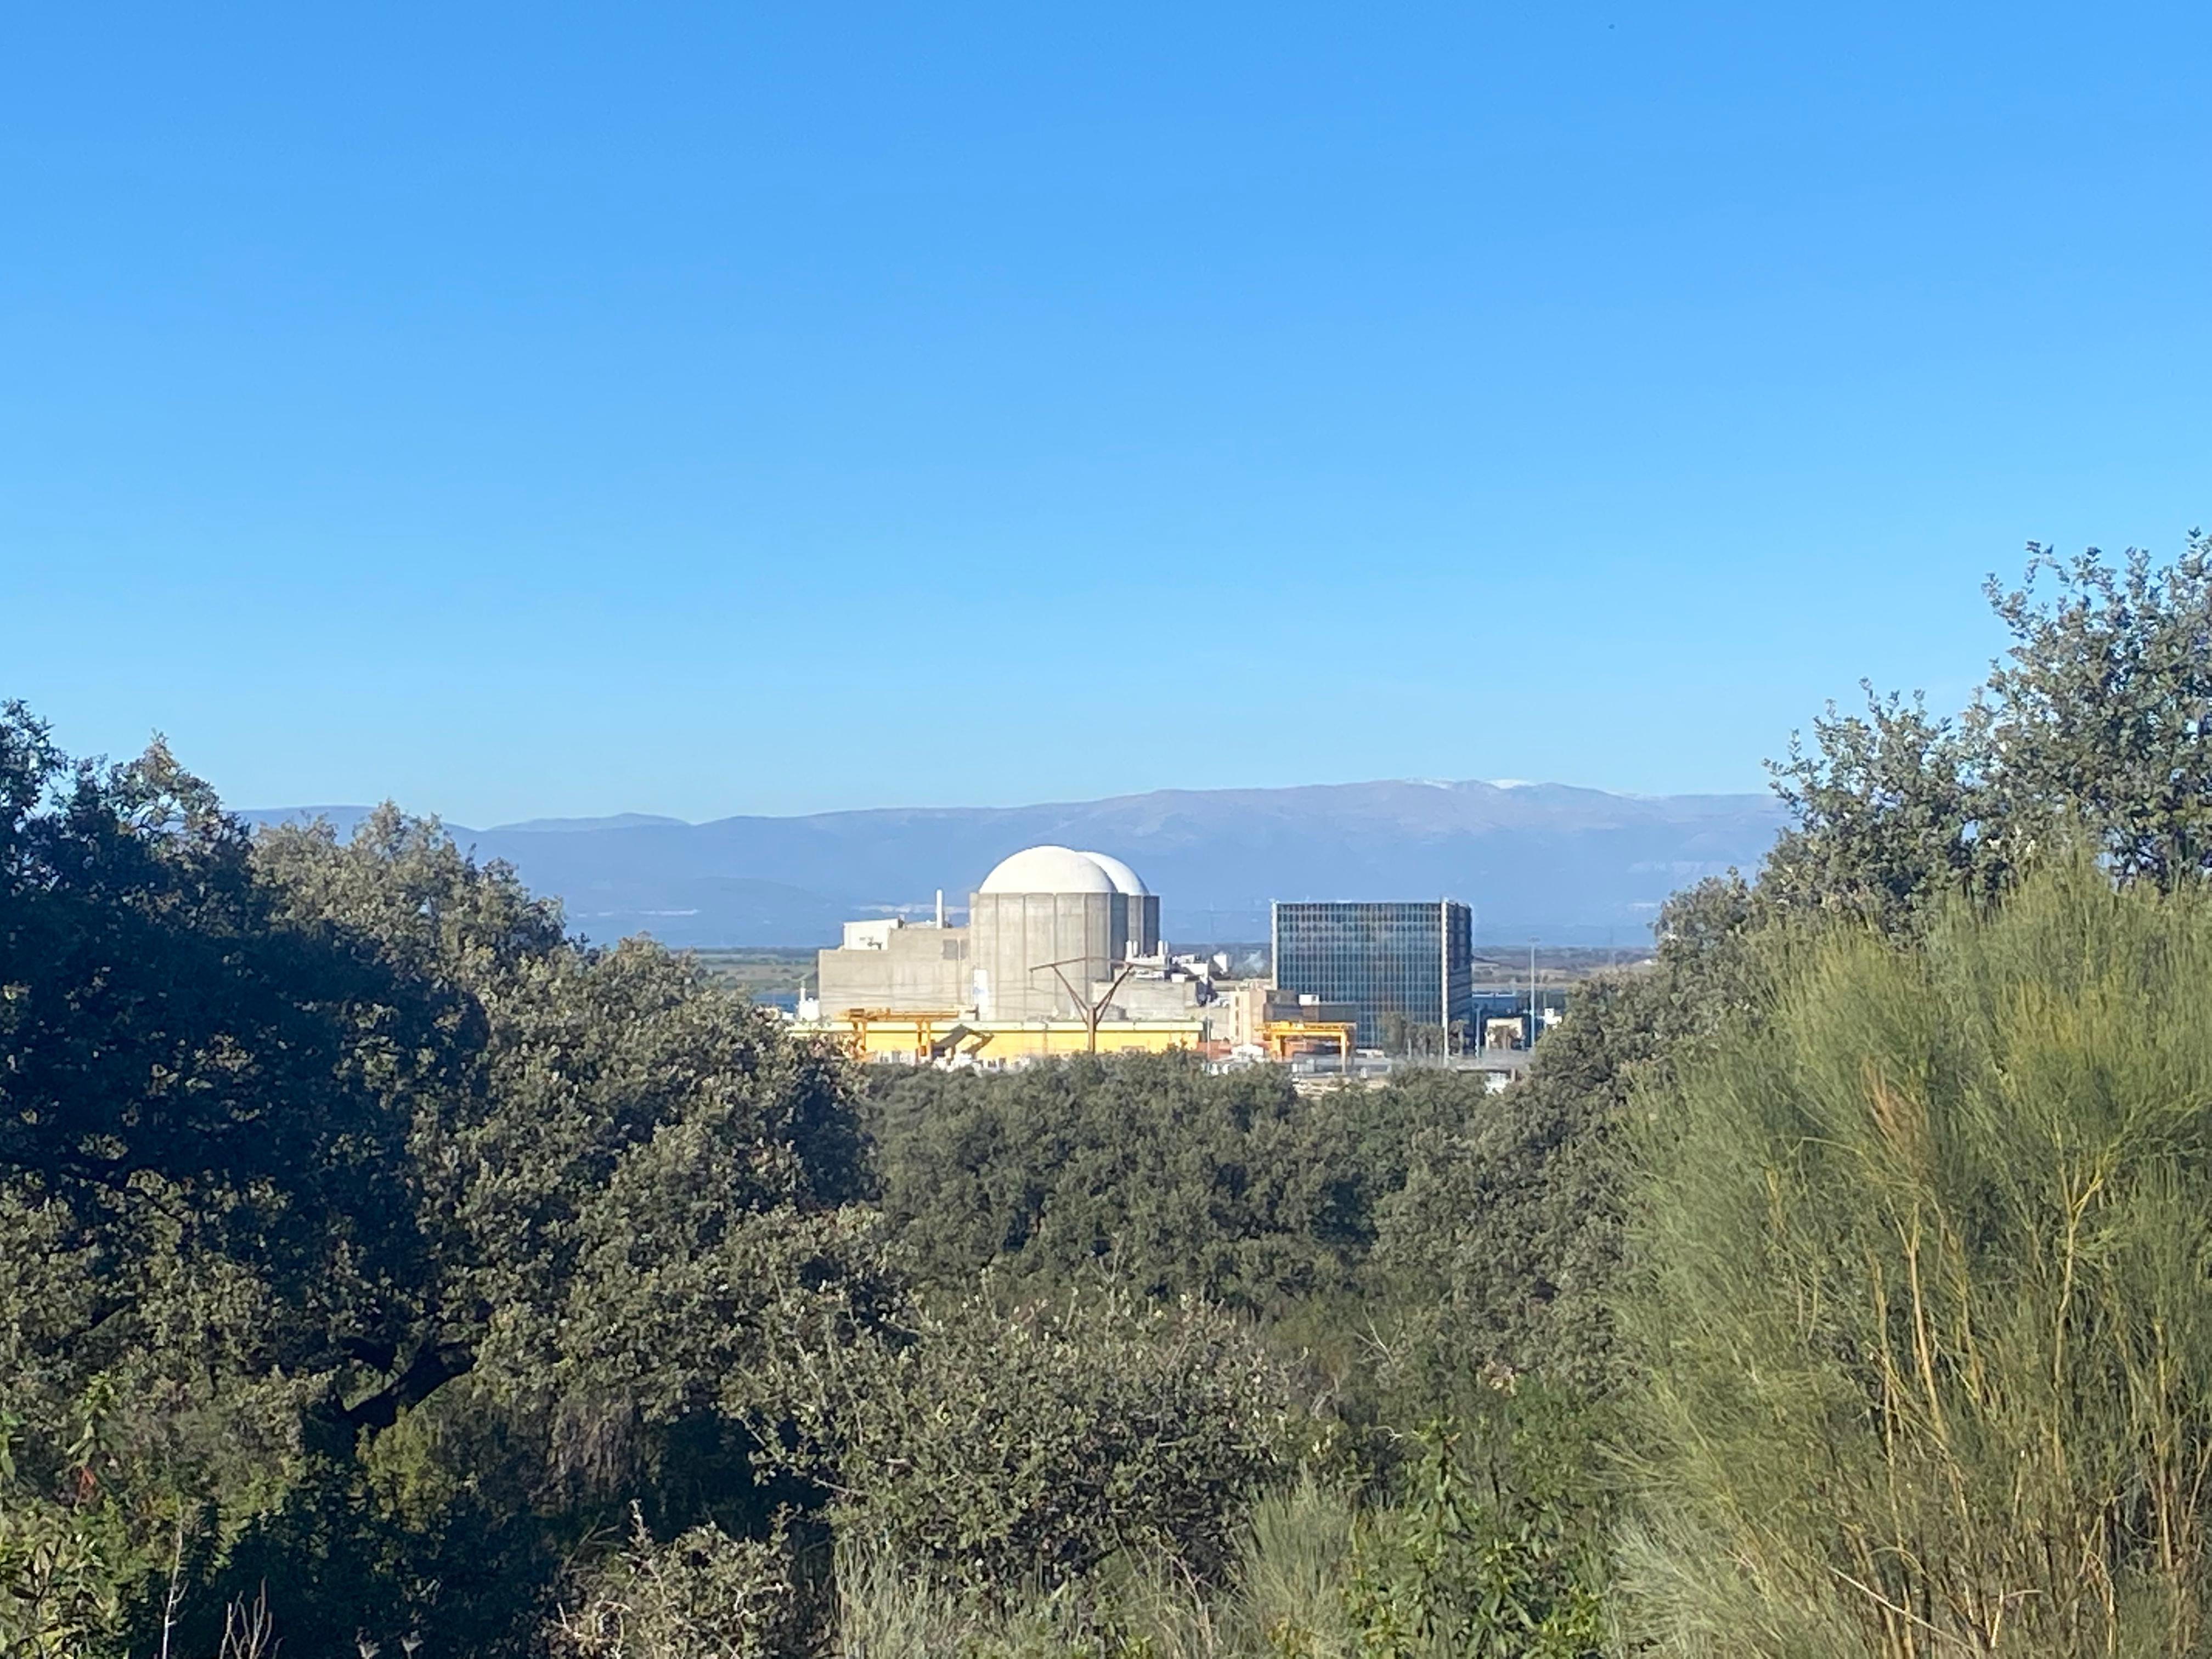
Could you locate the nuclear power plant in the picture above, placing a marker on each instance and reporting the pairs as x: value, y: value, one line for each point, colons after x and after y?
x: 1060, y: 954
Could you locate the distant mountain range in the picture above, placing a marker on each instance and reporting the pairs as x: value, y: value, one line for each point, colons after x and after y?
x: 1568, y: 866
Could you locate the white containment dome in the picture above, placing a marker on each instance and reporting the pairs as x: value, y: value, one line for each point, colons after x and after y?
x: 1125, y: 880
x: 1050, y: 929
x: 1049, y: 870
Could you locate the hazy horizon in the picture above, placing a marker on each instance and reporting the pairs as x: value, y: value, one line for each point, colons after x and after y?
x: 645, y: 818
x: 1568, y: 864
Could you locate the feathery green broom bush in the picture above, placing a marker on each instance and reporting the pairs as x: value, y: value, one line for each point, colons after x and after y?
x: 1921, y: 1294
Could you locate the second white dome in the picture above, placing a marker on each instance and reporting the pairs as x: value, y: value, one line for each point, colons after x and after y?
x: 1125, y: 880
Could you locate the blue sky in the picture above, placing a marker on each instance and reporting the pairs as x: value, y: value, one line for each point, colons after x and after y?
x: 571, y: 409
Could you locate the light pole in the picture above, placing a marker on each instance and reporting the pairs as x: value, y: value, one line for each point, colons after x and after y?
x: 1091, y: 1010
x: 1532, y: 991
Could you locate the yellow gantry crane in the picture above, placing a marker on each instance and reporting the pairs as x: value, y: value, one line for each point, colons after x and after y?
x: 936, y: 1031
x: 1283, y: 1038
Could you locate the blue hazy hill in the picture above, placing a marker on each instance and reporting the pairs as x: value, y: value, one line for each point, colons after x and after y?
x: 1570, y: 866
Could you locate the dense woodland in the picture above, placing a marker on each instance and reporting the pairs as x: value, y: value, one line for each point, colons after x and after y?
x: 383, y: 1271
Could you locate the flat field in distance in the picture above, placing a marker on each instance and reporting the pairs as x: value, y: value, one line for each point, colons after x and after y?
x: 762, y: 972
x: 1555, y: 964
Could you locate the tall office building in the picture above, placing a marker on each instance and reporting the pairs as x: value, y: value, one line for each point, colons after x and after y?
x: 1414, y: 960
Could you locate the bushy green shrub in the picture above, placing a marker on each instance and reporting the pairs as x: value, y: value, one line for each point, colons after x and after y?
x: 60, y: 1578
x: 1921, y: 1295
x: 702, y: 1595
x: 1292, y: 1571
x: 1000, y: 1449
x: 1285, y: 1600
x: 1149, y: 1170
x: 1457, y: 1568
x: 1466, y: 1568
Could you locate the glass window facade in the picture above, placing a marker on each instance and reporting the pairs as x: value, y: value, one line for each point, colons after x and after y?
x: 1415, y: 960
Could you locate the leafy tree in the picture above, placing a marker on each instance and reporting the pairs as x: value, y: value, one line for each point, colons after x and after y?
x: 1891, y: 809
x: 2100, y: 721
x: 992, y: 1449
x: 639, y: 1171
x: 206, y: 1202
x: 360, y: 1232
x: 2093, y: 729
x: 1502, y: 1245
x: 1147, y: 1169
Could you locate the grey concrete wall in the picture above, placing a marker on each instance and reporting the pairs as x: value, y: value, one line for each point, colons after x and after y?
x: 925, y: 969
x: 1012, y: 936
x: 1157, y: 999
x: 1136, y: 923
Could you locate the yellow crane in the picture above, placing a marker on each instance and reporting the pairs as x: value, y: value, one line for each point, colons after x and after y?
x: 1283, y: 1038
x: 924, y: 1026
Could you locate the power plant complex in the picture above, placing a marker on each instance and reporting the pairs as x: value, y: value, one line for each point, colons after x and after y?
x: 1061, y: 954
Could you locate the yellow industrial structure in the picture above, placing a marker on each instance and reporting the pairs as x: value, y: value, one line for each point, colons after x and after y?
x: 944, y: 1035
x: 1283, y: 1038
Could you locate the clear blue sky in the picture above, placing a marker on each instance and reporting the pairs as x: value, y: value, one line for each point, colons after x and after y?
x: 572, y: 410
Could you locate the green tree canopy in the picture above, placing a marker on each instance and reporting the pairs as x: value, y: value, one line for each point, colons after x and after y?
x: 2093, y: 729
x: 342, y: 1198
x: 1231, y: 1187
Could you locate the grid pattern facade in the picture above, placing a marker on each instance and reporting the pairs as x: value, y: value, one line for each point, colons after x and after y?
x: 1414, y: 960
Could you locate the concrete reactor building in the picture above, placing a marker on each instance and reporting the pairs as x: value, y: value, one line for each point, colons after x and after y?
x: 1048, y: 925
